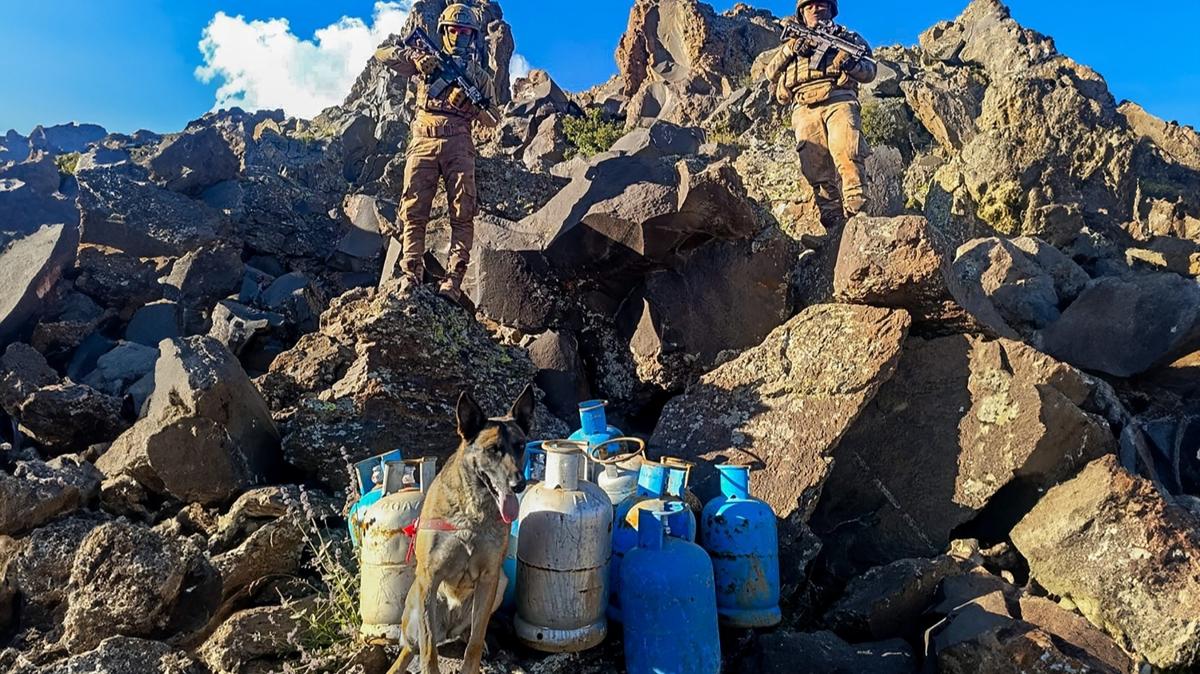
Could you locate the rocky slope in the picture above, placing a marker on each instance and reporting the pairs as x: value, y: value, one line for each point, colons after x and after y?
x: 975, y: 410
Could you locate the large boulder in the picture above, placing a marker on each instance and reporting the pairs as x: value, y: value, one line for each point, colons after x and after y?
x: 123, y: 210
x: 726, y: 296
x: 1130, y: 560
x: 64, y: 138
x: 37, y: 492
x: 31, y: 196
x: 125, y: 580
x: 888, y: 601
x: 207, y: 434
x: 897, y: 263
x: 29, y: 268
x: 118, y: 281
x: 1015, y: 287
x: 41, y: 569
x: 782, y: 406
x: 560, y: 372
x: 1125, y: 327
x: 193, y: 161
x: 964, y: 422
x: 68, y: 417
x: 385, y: 372
x: 258, y: 638
x: 22, y: 372
x: 627, y: 210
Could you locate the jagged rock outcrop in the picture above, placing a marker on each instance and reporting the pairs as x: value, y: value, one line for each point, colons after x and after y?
x: 34, y: 195
x: 1129, y: 559
x: 679, y: 58
x: 399, y: 363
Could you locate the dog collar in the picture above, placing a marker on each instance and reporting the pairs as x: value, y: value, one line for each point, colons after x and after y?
x: 436, y: 524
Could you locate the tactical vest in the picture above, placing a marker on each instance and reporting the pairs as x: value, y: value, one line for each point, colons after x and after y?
x: 809, y: 86
x: 436, y: 118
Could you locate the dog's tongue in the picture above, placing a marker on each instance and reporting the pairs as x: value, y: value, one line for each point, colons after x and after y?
x: 509, y: 506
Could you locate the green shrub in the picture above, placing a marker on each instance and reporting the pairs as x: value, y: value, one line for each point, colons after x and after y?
x: 591, y: 134
x: 67, y: 163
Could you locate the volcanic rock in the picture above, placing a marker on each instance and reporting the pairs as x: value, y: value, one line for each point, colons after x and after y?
x: 782, y: 406
x: 1130, y: 560
x: 29, y: 268
x: 207, y: 433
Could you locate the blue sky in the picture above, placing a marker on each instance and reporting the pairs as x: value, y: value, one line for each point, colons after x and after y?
x: 130, y: 64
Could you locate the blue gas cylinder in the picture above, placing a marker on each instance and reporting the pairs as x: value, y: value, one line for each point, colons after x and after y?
x: 740, y: 534
x: 660, y: 484
x: 368, y: 475
x: 667, y: 590
x: 534, y: 470
x: 593, y: 425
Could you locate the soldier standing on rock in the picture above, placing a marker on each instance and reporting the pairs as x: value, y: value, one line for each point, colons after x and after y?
x: 441, y: 147
x: 826, y: 116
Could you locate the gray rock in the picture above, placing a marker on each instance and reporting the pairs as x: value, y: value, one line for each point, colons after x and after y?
x: 825, y: 653
x: 37, y: 492
x: 29, y: 268
x: 827, y: 363
x: 193, y: 161
x: 660, y: 139
x: 386, y: 370
x: 41, y: 570
x: 683, y: 321
x: 548, y: 146
x: 125, y: 581
x: 31, y: 196
x: 628, y: 210
x: 155, y: 322
x: 69, y: 417
x: 1124, y: 327
x: 964, y: 421
x: 258, y: 637
x: 207, y: 434
x: 65, y: 327
x: 560, y: 372
x: 294, y: 296
x: 128, y: 655
x: 122, y: 210
x: 64, y: 138
x: 116, y: 280
x: 888, y: 601
x: 201, y: 277
x: 1130, y: 560
x: 1014, y: 286
x: 22, y: 372
x: 236, y: 325
x: 120, y: 368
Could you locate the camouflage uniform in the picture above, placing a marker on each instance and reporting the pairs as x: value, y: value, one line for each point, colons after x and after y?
x: 441, y: 148
x: 826, y: 120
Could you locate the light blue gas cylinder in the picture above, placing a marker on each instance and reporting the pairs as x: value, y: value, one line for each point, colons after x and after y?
x: 668, y: 592
x: 368, y: 475
x: 594, y: 428
x: 740, y: 534
x: 660, y: 483
x: 534, y: 470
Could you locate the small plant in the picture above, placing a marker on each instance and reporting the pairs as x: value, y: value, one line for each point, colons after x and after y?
x: 591, y: 134
x: 328, y: 634
x: 67, y: 163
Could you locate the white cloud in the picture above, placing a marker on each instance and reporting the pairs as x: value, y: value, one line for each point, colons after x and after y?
x: 518, y: 66
x: 264, y: 65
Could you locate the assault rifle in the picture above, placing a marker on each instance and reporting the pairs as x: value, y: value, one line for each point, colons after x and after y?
x: 823, y: 38
x: 449, y: 73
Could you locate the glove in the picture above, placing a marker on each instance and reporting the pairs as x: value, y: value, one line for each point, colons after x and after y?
x: 426, y: 64
x: 387, y: 54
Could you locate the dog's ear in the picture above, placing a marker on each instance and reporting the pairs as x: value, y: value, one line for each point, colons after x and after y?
x: 522, y: 409
x: 471, y: 418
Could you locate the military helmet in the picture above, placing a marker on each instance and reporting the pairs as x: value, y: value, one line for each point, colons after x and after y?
x: 458, y: 14
x: 801, y: 4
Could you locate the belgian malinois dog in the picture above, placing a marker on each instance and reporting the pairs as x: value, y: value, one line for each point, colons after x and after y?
x: 462, y: 536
